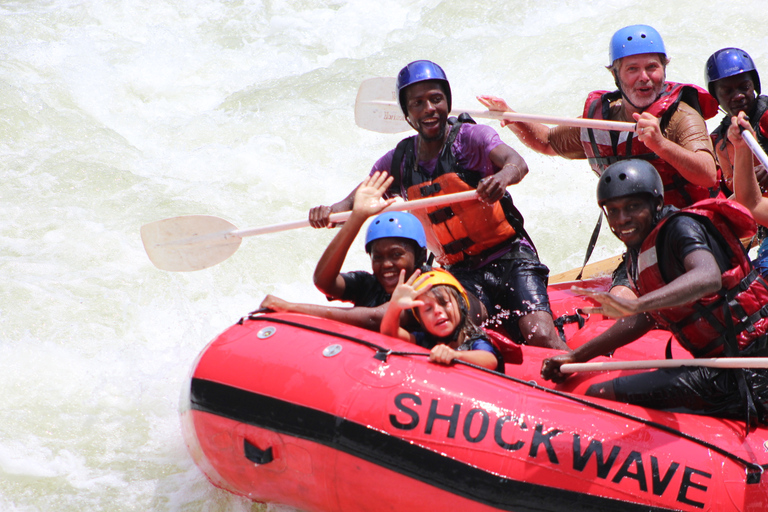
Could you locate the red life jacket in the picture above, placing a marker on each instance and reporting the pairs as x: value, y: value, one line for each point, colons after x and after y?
x: 604, y: 147
x: 722, y: 323
x: 461, y: 231
x: 509, y: 350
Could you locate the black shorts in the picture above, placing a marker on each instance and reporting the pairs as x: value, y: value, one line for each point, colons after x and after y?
x: 509, y: 287
x: 696, y: 390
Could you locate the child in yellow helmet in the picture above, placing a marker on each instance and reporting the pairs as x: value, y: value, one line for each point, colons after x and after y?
x: 440, y: 304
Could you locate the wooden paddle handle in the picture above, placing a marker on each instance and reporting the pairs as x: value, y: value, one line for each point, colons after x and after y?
x: 597, y: 124
x: 342, y: 216
x: 718, y: 362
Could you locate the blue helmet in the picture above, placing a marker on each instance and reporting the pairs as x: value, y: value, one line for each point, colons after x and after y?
x: 729, y: 62
x: 420, y: 71
x: 398, y: 225
x: 634, y: 40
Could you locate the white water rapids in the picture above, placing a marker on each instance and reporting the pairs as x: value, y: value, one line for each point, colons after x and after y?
x: 116, y: 114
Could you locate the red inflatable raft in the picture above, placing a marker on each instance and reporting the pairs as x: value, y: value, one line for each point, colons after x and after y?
x: 323, y: 416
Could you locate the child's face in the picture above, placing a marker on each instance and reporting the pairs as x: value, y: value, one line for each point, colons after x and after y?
x: 388, y: 257
x: 440, y: 314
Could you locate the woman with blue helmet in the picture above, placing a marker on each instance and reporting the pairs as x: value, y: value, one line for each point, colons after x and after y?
x: 395, y: 241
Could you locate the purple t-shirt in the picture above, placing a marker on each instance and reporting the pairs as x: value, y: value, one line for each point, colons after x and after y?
x: 471, y: 148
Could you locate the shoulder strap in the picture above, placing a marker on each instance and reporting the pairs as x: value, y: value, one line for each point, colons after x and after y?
x: 404, y: 148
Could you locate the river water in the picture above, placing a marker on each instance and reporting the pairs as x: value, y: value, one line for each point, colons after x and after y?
x: 116, y: 114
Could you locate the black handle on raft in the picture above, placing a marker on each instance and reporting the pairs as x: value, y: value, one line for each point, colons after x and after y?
x: 754, y: 474
x: 256, y: 455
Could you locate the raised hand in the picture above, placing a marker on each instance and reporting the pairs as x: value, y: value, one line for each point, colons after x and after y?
x: 368, y: 196
x: 405, y: 295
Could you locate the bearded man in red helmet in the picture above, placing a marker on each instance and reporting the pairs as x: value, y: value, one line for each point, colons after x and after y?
x: 481, y: 242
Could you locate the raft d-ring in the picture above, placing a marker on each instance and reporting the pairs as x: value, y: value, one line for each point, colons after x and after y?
x: 266, y: 332
x: 331, y: 350
x: 581, y: 312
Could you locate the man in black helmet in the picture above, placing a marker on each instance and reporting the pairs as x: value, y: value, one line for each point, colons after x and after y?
x: 482, y: 242
x: 681, y: 264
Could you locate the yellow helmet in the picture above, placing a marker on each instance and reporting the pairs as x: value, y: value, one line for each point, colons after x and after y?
x: 438, y: 276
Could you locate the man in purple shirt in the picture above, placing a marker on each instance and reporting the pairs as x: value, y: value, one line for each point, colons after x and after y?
x: 482, y: 242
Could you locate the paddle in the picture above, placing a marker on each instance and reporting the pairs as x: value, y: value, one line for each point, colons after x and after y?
x: 376, y: 109
x: 195, y: 242
x: 719, y: 362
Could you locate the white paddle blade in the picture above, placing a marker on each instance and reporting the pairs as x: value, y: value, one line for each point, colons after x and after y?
x: 376, y: 107
x: 190, y: 242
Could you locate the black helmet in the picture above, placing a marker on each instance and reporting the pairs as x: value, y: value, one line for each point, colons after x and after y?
x: 629, y: 177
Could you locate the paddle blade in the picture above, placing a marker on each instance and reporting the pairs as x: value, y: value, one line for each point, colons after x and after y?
x: 190, y: 242
x: 376, y: 107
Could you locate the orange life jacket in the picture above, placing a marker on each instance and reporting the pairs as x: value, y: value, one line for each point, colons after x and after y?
x: 462, y: 231
x: 729, y: 320
x: 604, y: 147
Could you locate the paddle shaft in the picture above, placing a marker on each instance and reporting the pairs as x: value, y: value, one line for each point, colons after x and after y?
x: 755, y: 147
x: 598, y: 124
x: 342, y: 216
x: 719, y: 362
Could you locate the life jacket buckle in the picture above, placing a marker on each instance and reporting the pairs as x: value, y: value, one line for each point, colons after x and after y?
x: 430, y: 190
x: 441, y: 215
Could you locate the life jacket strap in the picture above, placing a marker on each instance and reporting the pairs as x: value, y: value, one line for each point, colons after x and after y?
x: 441, y: 215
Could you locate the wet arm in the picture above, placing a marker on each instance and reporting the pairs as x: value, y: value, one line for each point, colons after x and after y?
x: 623, y: 332
x: 327, y: 276
x: 367, y: 318
x: 690, y: 152
x: 512, y: 169
x: 533, y: 135
x: 701, y: 278
x: 390, y: 323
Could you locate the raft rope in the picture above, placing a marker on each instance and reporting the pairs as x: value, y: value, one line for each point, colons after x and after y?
x: 754, y: 470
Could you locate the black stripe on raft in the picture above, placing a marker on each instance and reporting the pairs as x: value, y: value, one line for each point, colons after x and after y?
x: 396, y: 454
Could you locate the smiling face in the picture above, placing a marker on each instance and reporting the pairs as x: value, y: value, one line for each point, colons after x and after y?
x: 388, y: 257
x: 440, y: 315
x: 641, y: 78
x: 736, y: 93
x: 427, y: 109
x: 631, y: 218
